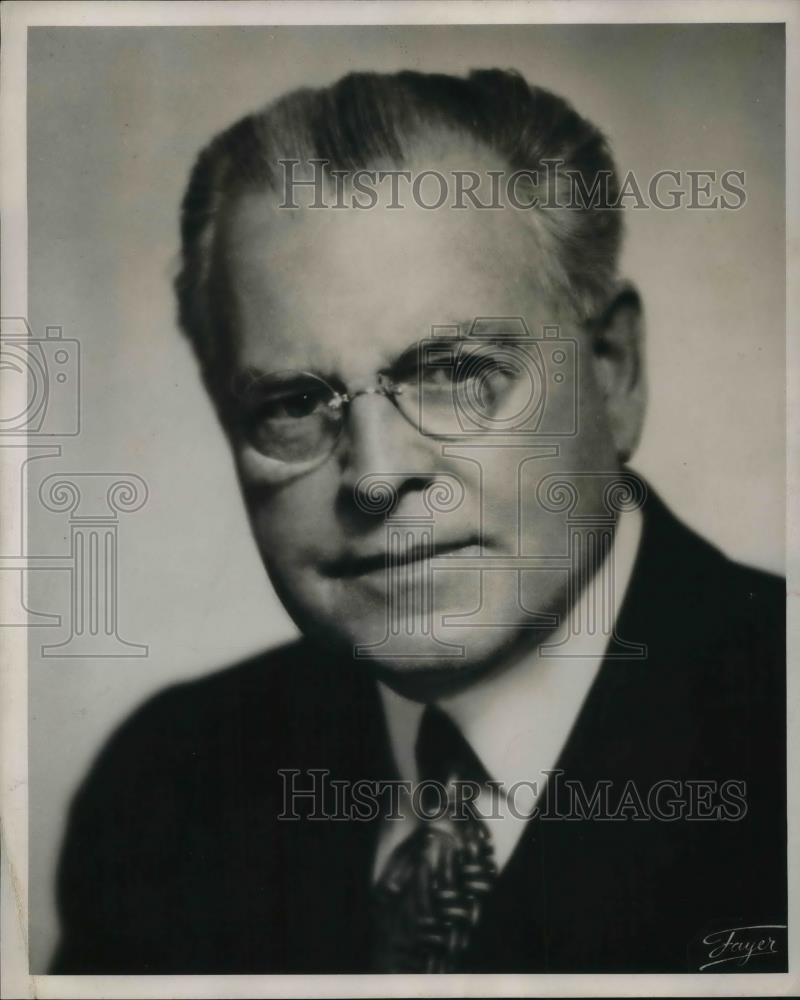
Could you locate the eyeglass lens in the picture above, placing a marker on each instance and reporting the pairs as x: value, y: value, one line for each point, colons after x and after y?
x: 297, y: 416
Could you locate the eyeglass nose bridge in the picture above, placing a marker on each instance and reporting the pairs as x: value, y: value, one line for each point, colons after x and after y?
x: 383, y: 386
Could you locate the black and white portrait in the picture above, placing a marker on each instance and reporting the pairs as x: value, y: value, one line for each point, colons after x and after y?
x: 396, y: 436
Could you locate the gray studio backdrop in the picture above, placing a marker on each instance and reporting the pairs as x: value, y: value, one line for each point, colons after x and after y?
x: 116, y: 116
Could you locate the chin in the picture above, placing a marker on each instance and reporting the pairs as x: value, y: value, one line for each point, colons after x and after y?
x: 422, y: 656
x: 426, y: 668
x: 428, y: 680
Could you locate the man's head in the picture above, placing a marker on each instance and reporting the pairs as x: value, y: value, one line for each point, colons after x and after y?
x: 298, y: 313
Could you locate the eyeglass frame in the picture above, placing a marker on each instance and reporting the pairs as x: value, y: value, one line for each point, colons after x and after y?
x: 385, y: 385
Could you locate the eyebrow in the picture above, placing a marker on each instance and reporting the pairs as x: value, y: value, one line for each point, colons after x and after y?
x: 248, y: 378
x: 460, y: 331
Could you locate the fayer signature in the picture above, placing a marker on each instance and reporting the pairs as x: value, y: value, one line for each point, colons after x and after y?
x: 740, y: 945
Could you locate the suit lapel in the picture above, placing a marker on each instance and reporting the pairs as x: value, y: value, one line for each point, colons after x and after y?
x: 632, y: 727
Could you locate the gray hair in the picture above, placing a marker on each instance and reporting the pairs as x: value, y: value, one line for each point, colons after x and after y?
x: 369, y: 118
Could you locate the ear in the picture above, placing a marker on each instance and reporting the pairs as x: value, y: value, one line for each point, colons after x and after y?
x: 618, y: 360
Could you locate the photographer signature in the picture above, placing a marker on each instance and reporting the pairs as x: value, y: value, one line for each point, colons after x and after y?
x: 740, y: 944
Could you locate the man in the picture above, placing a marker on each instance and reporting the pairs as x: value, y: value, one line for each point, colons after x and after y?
x: 430, y: 411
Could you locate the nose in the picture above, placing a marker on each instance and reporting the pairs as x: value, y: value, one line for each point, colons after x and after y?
x: 383, y: 445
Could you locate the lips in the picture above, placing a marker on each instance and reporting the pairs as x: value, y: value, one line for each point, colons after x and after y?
x: 354, y: 564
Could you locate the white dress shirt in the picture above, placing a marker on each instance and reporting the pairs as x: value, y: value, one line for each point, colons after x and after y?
x: 518, y: 720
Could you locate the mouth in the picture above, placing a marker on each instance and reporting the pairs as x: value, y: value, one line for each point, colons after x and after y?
x: 352, y: 565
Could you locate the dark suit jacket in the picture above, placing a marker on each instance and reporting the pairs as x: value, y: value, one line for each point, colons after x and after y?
x: 174, y: 861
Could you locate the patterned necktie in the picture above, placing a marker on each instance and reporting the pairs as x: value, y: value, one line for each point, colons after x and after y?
x: 430, y: 895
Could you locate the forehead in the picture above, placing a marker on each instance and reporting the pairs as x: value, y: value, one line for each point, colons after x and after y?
x: 348, y: 289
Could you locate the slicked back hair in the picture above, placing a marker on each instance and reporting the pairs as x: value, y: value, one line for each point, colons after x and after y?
x: 366, y: 119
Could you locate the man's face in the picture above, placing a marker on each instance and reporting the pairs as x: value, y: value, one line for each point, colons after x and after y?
x: 345, y: 293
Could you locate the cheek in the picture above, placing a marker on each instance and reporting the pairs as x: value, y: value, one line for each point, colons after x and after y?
x: 292, y: 520
x: 513, y: 478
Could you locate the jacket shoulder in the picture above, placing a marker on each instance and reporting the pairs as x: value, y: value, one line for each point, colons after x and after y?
x: 681, y: 569
x: 154, y: 807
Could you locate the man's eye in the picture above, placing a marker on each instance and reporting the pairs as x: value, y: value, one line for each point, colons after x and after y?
x: 468, y: 368
x: 290, y: 405
x: 484, y: 366
x: 281, y: 404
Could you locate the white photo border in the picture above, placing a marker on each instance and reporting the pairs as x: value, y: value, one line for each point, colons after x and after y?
x: 17, y: 17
